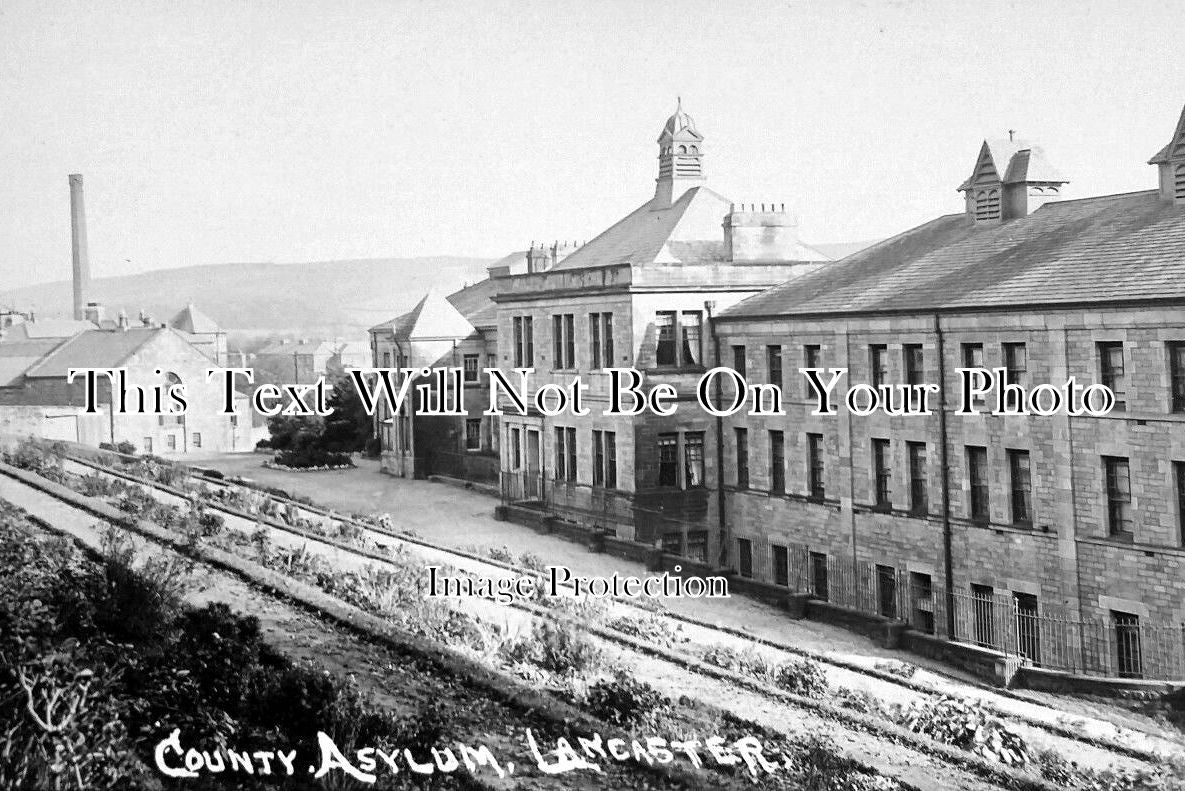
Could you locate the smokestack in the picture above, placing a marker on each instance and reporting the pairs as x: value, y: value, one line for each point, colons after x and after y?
x: 82, y: 267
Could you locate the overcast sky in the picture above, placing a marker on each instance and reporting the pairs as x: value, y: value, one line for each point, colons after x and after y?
x: 218, y: 132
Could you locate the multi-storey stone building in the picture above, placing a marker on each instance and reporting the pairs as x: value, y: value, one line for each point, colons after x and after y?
x: 435, y: 334
x: 641, y: 294
x: 1060, y: 538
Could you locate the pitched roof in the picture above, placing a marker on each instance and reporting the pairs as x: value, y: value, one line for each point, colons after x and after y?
x: 475, y: 304
x: 1175, y: 147
x: 433, y: 317
x: 46, y: 328
x: 18, y: 356
x: 1105, y: 249
x: 94, y: 349
x: 192, y: 320
x: 1013, y: 162
x: 642, y: 236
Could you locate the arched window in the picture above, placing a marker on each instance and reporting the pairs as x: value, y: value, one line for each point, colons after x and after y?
x: 695, y: 149
x: 1179, y: 182
x: 682, y: 149
x: 987, y: 204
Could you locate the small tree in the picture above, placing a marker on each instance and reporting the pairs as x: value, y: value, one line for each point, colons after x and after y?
x: 349, y: 427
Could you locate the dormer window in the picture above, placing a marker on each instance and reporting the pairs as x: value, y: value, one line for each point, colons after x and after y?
x: 1179, y: 183
x: 1011, y: 178
x: 987, y: 204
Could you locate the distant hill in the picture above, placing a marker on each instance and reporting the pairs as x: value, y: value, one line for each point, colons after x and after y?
x: 321, y: 299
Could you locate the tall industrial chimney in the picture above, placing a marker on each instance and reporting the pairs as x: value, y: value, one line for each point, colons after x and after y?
x: 82, y: 267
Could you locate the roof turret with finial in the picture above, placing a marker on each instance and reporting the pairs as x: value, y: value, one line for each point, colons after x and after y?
x: 680, y: 157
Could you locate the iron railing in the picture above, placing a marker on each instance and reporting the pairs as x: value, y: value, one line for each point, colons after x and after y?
x: 609, y: 510
x: 1016, y: 624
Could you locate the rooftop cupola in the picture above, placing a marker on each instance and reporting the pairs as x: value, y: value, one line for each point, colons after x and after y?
x: 1171, y: 162
x: 680, y: 158
x: 1011, y: 179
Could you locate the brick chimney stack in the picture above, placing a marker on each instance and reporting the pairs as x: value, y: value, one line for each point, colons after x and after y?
x: 82, y: 267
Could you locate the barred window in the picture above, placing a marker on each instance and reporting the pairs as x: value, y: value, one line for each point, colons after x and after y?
x: 738, y: 359
x: 918, y: 490
x: 563, y: 337
x: 742, y: 442
x: 1111, y: 371
x: 1176, y: 353
x: 882, y: 472
x: 1020, y: 482
x: 878, y: 359
x: 811, y: 355
x: 777, y: 462
x: 565, y: 454
x: 914, y: 363
x: 668, y: 459
x: 773, y: 355
x: 1119, y: 496
x: 977, y: 478
x: 814, y: 465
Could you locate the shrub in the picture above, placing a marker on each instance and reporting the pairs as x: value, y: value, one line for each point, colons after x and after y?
x: 373, y: 448
x: 263, y: 444
x: 748, y: 660
x: 529, y: 560
x: 210, y: 523
x: 802, y: 677
x: 312, y: 457
x: 126, y: 448
x: 857, y: 700
x: 626, y: 701
x: 501, y: 554
x: 968, y: 725
x: 650, y: 628
x: 557, y: 648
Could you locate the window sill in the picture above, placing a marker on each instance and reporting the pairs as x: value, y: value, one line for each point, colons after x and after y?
x: 675, y: 369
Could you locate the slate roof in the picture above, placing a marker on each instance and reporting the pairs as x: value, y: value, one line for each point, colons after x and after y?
x: 433, y: 317
x: 18, y: 356
x: 192, y: 320
x: 1095, y: 250
x: 46, y: 328
x: 475, y: 304
x: 94, y: 349
x: 640, y: 236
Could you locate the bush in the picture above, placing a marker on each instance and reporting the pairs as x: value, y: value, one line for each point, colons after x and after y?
x: 312, y: 457
x: 650, y: 628
x: 968, y: 725
x: 263, y: 444
x: 802, y: 677
x: 626, y: 701
x: 105, y: 653
x: 373, y: 448
x: 557, y: 648
x: 501, y: 554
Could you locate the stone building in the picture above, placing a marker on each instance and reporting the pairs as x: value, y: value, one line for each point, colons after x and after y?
x: 42, y: 388
x: 640, y: 294
x: 435, y: 334
x: 1059, y: 539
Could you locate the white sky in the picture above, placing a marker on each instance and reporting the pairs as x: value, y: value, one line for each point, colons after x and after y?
x: 292, y: 131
